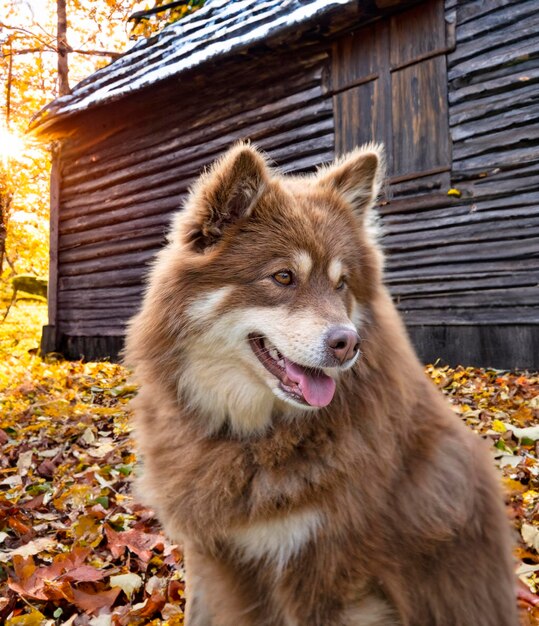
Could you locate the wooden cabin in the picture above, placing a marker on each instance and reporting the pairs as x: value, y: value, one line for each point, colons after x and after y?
x: 451, y: 88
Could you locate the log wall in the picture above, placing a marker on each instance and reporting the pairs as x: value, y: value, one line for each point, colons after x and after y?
x: 123, y: 177
x: 464, y: 271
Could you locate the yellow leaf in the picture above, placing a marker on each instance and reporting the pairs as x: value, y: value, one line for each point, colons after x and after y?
x: 530, y: 496
x: 35, y: 618
x: 513, y: 486
x: 498, y: 426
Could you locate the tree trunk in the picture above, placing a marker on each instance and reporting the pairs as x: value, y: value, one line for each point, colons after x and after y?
x: 5, y: 202
x: 63, y: 49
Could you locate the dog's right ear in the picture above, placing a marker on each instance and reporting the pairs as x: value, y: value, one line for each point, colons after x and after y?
x: 225, y: 194
x: 356, y: 176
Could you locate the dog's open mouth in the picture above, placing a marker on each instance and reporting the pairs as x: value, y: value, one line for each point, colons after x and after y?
x: 304, y: 384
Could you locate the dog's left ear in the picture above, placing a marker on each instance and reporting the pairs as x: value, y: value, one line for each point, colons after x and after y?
x: 226, y: 194
x: 357, y: 176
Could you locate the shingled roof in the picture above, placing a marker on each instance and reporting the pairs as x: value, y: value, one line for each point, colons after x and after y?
x: 219, y: 28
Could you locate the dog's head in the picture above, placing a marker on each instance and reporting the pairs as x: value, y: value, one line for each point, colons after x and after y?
x: 267, y: 279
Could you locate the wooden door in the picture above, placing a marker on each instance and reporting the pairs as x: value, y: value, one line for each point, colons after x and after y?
x: 389, y: 82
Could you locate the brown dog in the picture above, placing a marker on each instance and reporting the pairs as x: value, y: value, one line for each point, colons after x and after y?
x: 290, y: 438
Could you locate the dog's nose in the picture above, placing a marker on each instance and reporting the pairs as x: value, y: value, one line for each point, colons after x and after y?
x: 343, y: 343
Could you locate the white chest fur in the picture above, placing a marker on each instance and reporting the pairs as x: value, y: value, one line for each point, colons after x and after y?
x: 277, y: 540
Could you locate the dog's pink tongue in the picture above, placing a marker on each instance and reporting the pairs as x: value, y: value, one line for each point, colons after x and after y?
x: 317, y: 388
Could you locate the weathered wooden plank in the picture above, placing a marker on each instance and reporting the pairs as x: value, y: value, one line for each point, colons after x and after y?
x: 153, y: 225
x: 480, y: 315
x: 495, y: 158
x: 426, y: 18
x: 408, y: 228
x: 426, y: 240
x: 420, y: 112
x: 523, y: 296
x: 110, y: 262
x: 493, y: 103
x: 523, y: 82
x: 89, y: 220
x: 474, y: 9
x: 359, y: 116
x: 103, y: 249
x: 131, y: 303
x: 415, y: 205
x: 493, y: 42
x: 113, y: 278
x: 118, y: 315
x: 491, y: 345
x: 419, y: 286
x: 155, y: 195
x: 496, y: 116
x: 309, y: 163
x: 505, y: 139
x: 494, y: 187
x: 359, y: 55
x: 488, y: 63
x: 91, y: 296
x: 74, y: 330
x: 178, y: 177
x: 450, y: 270
x: 455, y: 253
x: 515, y: 173
x: 502, y: 18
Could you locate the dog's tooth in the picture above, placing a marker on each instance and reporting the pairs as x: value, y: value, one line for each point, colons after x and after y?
x: 273, y: 354
x: 281, y: 363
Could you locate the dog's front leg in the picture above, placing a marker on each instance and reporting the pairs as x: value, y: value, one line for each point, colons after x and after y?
x: 197, y: 610
x: 215, y: 595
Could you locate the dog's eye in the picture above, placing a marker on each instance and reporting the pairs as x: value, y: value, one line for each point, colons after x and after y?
x: 341, y: 284
x: 284, y: 277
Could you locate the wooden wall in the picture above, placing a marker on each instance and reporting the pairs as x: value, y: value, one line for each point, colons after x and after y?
x: 123, y: 174
x: 463, y: 271
x: 452, y: 89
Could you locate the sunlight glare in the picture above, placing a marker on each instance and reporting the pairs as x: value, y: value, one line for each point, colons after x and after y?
x: 11, y: 146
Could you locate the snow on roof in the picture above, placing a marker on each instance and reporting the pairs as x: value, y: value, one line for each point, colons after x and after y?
x: 219, y: 28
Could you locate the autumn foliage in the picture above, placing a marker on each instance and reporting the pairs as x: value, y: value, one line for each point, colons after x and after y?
x: 97, y: 32
x: 77, y: 549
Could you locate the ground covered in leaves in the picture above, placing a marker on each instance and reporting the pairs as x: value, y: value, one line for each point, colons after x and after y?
x: 74, y: 546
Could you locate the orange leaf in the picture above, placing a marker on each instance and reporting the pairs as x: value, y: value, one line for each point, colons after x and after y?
x: 93, y: 602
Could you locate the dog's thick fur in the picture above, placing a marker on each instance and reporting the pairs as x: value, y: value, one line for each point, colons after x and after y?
x: 376, y: 508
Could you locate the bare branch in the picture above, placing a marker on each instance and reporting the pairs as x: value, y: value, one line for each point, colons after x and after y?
x: 18, y: 29
x: 25, y: 51
x: 98, y: 53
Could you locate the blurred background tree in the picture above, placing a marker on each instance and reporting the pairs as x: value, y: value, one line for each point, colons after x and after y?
x: 46, y: 46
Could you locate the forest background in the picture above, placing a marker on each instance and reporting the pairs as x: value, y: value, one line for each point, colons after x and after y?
x: 47, y: 45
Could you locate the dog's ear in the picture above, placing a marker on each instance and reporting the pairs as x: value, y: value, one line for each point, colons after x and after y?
x: 357, y: 176
x: 226, y: 194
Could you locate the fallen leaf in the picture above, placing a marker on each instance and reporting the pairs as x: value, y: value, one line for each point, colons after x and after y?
x: 531, y: 432
x: 93, y: 601
x: 530, y: 534
x: 128, y: 583
x: 34, y: 618
x: 29, y: 549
